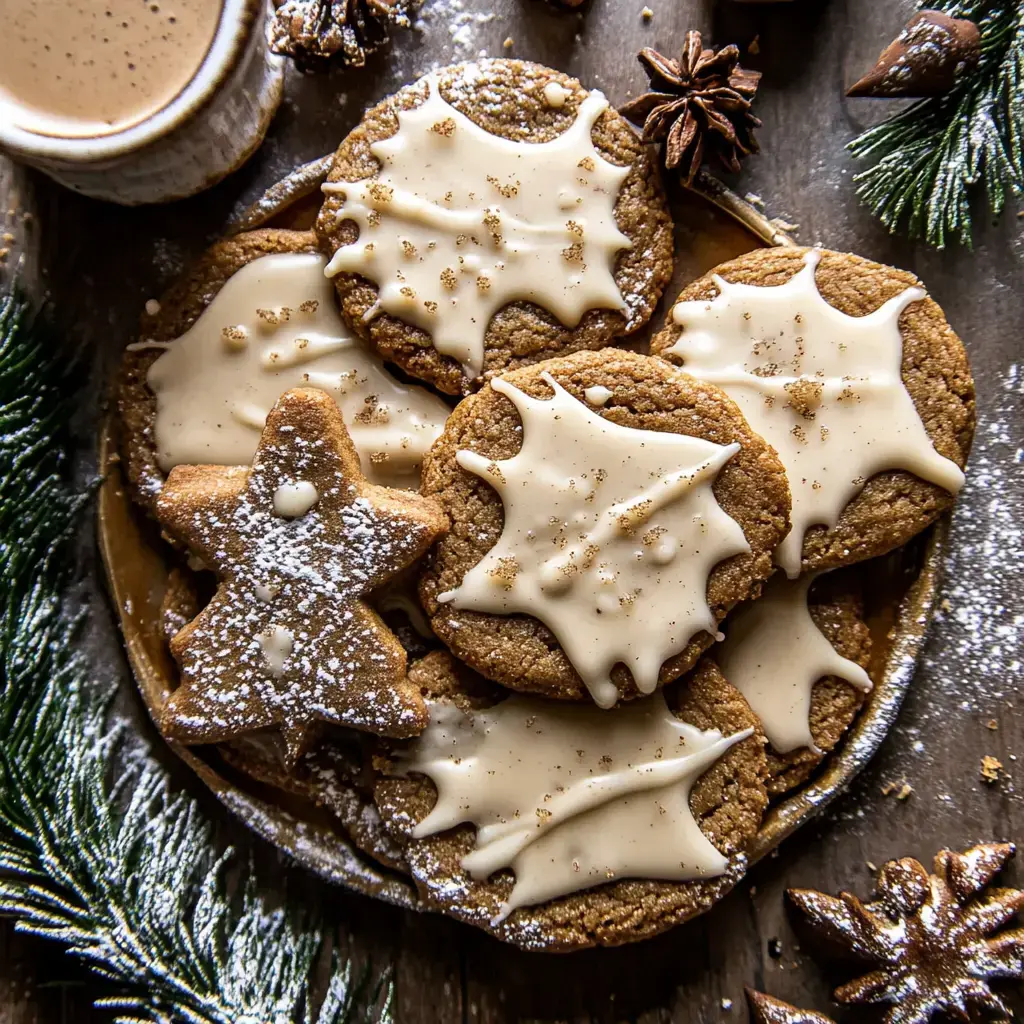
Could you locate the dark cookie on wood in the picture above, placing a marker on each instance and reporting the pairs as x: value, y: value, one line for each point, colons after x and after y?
x: 893, y: 505
x: 507, y: 98
x: 727, y: 802
x: 518, y: 650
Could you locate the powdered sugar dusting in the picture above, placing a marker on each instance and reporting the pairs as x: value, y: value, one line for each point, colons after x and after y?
x: 984, y: 574
x: 302, y: 578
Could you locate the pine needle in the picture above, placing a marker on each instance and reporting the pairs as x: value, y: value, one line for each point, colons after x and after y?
x: 128, y: 877
x: 930, y: 159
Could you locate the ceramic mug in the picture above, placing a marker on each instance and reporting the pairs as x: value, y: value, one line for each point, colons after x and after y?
x: 207, y: 131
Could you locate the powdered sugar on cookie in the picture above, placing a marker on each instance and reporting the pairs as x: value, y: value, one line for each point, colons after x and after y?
x: 287, y: 640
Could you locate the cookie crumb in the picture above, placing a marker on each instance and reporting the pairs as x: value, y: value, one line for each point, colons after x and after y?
x: 901, y: 790
x: 647, y: 14
x: 754, y: 46
x: 991, y: 769
x: 509, y: 43
x: 992, y: 724
x: 775, y: 949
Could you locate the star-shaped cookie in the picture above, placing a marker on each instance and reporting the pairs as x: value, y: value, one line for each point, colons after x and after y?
x: 297, y: 541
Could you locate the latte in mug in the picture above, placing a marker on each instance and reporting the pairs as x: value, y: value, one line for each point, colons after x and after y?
x: 136, y: 100
x: 94, y: 67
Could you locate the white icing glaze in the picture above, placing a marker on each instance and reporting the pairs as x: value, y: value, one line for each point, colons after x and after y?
x: 215, y: 384
x: 823, y: 388
x: 276, y: 644
x: 555, y: 94
x: 292, y: 500
x: 774, y: 654
x: 569, y: 796
x: 610, y: 534
x: 460, y: 222
x: 597, y: 395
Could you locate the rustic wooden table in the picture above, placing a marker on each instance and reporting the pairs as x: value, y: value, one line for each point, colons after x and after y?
x: 100, y: 263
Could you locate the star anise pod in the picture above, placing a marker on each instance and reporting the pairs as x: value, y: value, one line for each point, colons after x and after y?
x: 699, y: 106
x: 926, y: 935
x: 317, y: 33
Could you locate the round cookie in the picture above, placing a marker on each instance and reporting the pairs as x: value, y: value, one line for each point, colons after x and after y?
x: 835, y: 703
x: 507, y: 98
x: 179, y: 308
x: 727, y: 801
x: 518, y: 650
x: 254, y: 318
x: 894, y: 505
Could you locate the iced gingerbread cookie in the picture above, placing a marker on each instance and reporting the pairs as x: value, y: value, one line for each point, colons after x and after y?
x: 490, y: 215
x: 607, y: 511
x: 852, y: 374
x: 296, y: 541
x: 799, y: 655
x: 557, y: 826
x: 253, y: 318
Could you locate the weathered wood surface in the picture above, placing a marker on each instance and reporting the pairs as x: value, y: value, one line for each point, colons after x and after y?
x: 100, y: 263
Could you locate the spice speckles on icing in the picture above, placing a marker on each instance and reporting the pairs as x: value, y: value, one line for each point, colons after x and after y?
x: 610, y: 533
x: 823, y: 388
x: 774, y: 654
x: 600, y: 795
x: 274, y: 326
x: 460, y: 222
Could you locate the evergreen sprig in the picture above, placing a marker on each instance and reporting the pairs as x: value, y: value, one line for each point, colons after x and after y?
x: 126, y: 875
x: 930, y: 157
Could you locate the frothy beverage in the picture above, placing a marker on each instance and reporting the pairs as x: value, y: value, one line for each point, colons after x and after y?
x: 78, y: 68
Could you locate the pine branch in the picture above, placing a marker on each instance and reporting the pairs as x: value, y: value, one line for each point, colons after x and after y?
x: 126, y: 876
x: 930, y: 159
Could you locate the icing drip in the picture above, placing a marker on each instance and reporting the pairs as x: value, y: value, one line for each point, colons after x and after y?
x: 774, y: 654
x: 610, y: 534
x: 277, y: 644
x: 555, y: 94
x: 295, y: 499
x: 460, y: 222
x: 823, y: 388
x: 570, y: 797
x: 272, y: 327
x: 597, y: 395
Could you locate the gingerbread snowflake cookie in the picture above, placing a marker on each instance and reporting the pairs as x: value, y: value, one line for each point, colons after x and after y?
x: 607, y: 512
x: 297, y: 542
x: 934, y: 941
x: 852, y: 374
x: 616, y: 826
x: 490, y: 215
